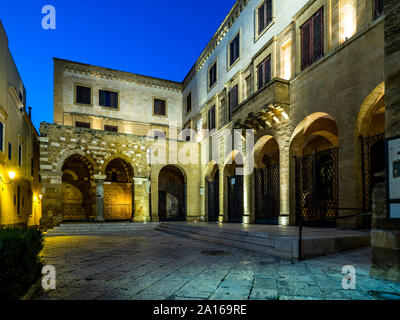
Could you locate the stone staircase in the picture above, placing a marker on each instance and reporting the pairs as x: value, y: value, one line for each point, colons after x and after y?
x: 316, y: 242
x: 99, y: 228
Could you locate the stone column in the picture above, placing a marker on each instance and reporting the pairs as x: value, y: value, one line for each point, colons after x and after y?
x: 141, y: 201
x: 284, y: 165
x: 99, y: 197
x: 222, y: 185
x: 247, y: 192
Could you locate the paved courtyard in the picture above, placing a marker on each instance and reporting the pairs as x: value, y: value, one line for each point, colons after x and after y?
x: 151, y: 265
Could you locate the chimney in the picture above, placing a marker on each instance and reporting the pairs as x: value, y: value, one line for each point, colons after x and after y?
x: 30, y: 112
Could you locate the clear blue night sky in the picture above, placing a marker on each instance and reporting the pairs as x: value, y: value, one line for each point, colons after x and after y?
x: 156, y: 38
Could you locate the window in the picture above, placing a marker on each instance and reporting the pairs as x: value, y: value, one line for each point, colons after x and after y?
x: 378, y: 8
x: 264, y: 15
x: 264, y: 73
x: 108, y: 99
x: 189, y: 103
x: 20, y: 155
x: 1, y: 137
x: 18, y: 200
x: 312, y: 39
x: 83, y: 95
x: 82, y: 124
x: 9, y: 151
x: 233, y: 100
x: 212, y: 74
x: 32, y: 167
x: 234, y: 50
x: 160, y: 108
x: 211, y: 118
x: 110, y: 128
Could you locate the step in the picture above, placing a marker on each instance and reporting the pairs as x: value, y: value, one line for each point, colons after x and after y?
x: 282, y: 247
x: 316, y: 242
x: 87, y: 228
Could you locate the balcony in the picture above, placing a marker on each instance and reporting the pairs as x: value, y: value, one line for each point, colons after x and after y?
x: 267, y: 107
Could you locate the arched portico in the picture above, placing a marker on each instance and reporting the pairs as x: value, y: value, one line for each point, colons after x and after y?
x: 315, y: 178
x: 212, y: 184
x: 266, y: 180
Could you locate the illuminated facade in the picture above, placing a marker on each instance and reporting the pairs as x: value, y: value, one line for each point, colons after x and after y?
x: 20, y: 192
x: 306, y: 76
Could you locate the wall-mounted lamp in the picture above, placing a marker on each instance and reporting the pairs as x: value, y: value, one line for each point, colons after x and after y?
x: 11, y: 175
x: 40, y: 196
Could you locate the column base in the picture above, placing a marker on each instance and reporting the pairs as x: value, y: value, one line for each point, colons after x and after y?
x: 99, y: 219
x: 140, y: 219
x: 283, y: 220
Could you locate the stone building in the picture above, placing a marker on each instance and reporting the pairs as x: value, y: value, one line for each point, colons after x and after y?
x: 306, y: 77
x: 20, y: 192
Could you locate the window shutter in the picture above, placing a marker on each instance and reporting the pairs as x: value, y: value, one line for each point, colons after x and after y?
x: 268, y: 70
x: 306, y: 45
x: 261, y: 15
x: 318, y: 36
x: 102, y: 98
x: 260, y: 76
x: 269, y: 11
x: 114, y: 99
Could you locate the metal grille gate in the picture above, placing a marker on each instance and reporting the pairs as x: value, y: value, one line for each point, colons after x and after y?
x: 213, y: 200
x: 373, y: 161
x: 235, y: 199
x: 74, y: 212
x: 267, y: 194
x: 117, y: 211
x: 317, y: 195
x: 172, y: 201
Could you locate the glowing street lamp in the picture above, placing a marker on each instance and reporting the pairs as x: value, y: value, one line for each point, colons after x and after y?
x: 11, y: 175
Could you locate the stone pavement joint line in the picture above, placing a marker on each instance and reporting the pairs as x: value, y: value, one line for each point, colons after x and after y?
x: 150, y: 265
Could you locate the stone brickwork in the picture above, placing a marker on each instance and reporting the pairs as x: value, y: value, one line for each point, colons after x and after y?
x: 386, y: 233
x: 58, y: 143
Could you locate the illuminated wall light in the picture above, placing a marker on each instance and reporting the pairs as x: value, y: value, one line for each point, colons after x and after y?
x: 348, y: 19
x: 12, y: 175
x: 286, y: 60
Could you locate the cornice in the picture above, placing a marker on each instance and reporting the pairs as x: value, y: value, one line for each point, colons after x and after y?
x: 230, y: 19
x: 112, y: 74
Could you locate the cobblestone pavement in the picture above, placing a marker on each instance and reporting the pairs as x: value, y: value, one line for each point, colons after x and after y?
x: 150, y: 265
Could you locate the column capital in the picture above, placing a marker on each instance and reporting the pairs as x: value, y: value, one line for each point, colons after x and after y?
x: 99, y: 177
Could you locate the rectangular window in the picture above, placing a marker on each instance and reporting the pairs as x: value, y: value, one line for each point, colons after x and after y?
x: 32, y: 167
x: 9, y: 151
x: 1, y: 136
x: 20, y: 155
x: 108, y: 99
x: 264, y: 73
x: 233, y: 100
x: 211, y: 118
x: 378, y: 8
x: 264, y: 15
x: 110, y: 128
x: 189, y: 103
x: 19, y: 200
x: 312, y: 39
x: 213, y: 75
x: 160, y: 107
x: 83, y: 95
x: 234, y: 49
x: 82, y: 124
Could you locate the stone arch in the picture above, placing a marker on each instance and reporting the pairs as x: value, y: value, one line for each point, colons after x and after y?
x: 233, y: 160
x: 372, y: 106
x: 77, y: 190
x: 172, y: 184
x: 121, y: 156
x: 211, y: 169
x: 64, y: 155
x: 318, y: 131
x: 266, y: 145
